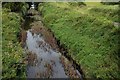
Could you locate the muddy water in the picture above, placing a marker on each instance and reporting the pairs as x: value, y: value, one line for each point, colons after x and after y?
x: 47, y: 63
x: 43, y: 61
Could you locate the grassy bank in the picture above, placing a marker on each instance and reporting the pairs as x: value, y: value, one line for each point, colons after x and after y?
x: 91, y: 40
x: 110, y: 12
x: 12, y: 52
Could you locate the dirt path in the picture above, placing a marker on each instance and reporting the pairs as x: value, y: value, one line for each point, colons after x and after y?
x: 43, y: 57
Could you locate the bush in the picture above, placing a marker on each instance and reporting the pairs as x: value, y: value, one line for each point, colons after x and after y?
x: 110, y: 3
x: 77, y: 3
x: 21, y: 7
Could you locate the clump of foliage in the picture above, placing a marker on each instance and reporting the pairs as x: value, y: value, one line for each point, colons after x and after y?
x: 77, y: 3
x: 106, y: 2
x: 110, y: 12
x: 92, y: 41
x: 20, y: 7
x: 12, y: 52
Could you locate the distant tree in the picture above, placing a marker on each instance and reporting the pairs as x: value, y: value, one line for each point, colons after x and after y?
x: 77, y: 3
x: 106, y: 2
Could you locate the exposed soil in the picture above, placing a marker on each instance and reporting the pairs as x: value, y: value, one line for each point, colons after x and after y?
x: 23, y: 36
x: 37, y: 27
x: 31, y: 58
x: 69, y: 69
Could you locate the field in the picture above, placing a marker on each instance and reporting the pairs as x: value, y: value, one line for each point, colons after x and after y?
x: 88, y: 33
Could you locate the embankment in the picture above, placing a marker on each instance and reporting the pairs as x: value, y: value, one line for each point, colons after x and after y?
x: 92, y: 41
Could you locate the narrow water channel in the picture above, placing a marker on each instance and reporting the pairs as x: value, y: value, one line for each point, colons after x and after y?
x: 43, y: 60
x: 47, y: 62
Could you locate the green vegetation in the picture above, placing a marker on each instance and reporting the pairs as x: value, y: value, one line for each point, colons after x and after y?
x: 16, y: 7
x: 12, y: 52
x: 90, y: 36
x: 110, y: 12
x: 77, y: 4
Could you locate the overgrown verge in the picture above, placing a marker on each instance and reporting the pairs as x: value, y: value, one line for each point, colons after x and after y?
x: 12, y: 52
x: 91, y: 41
x: 110, y: 12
